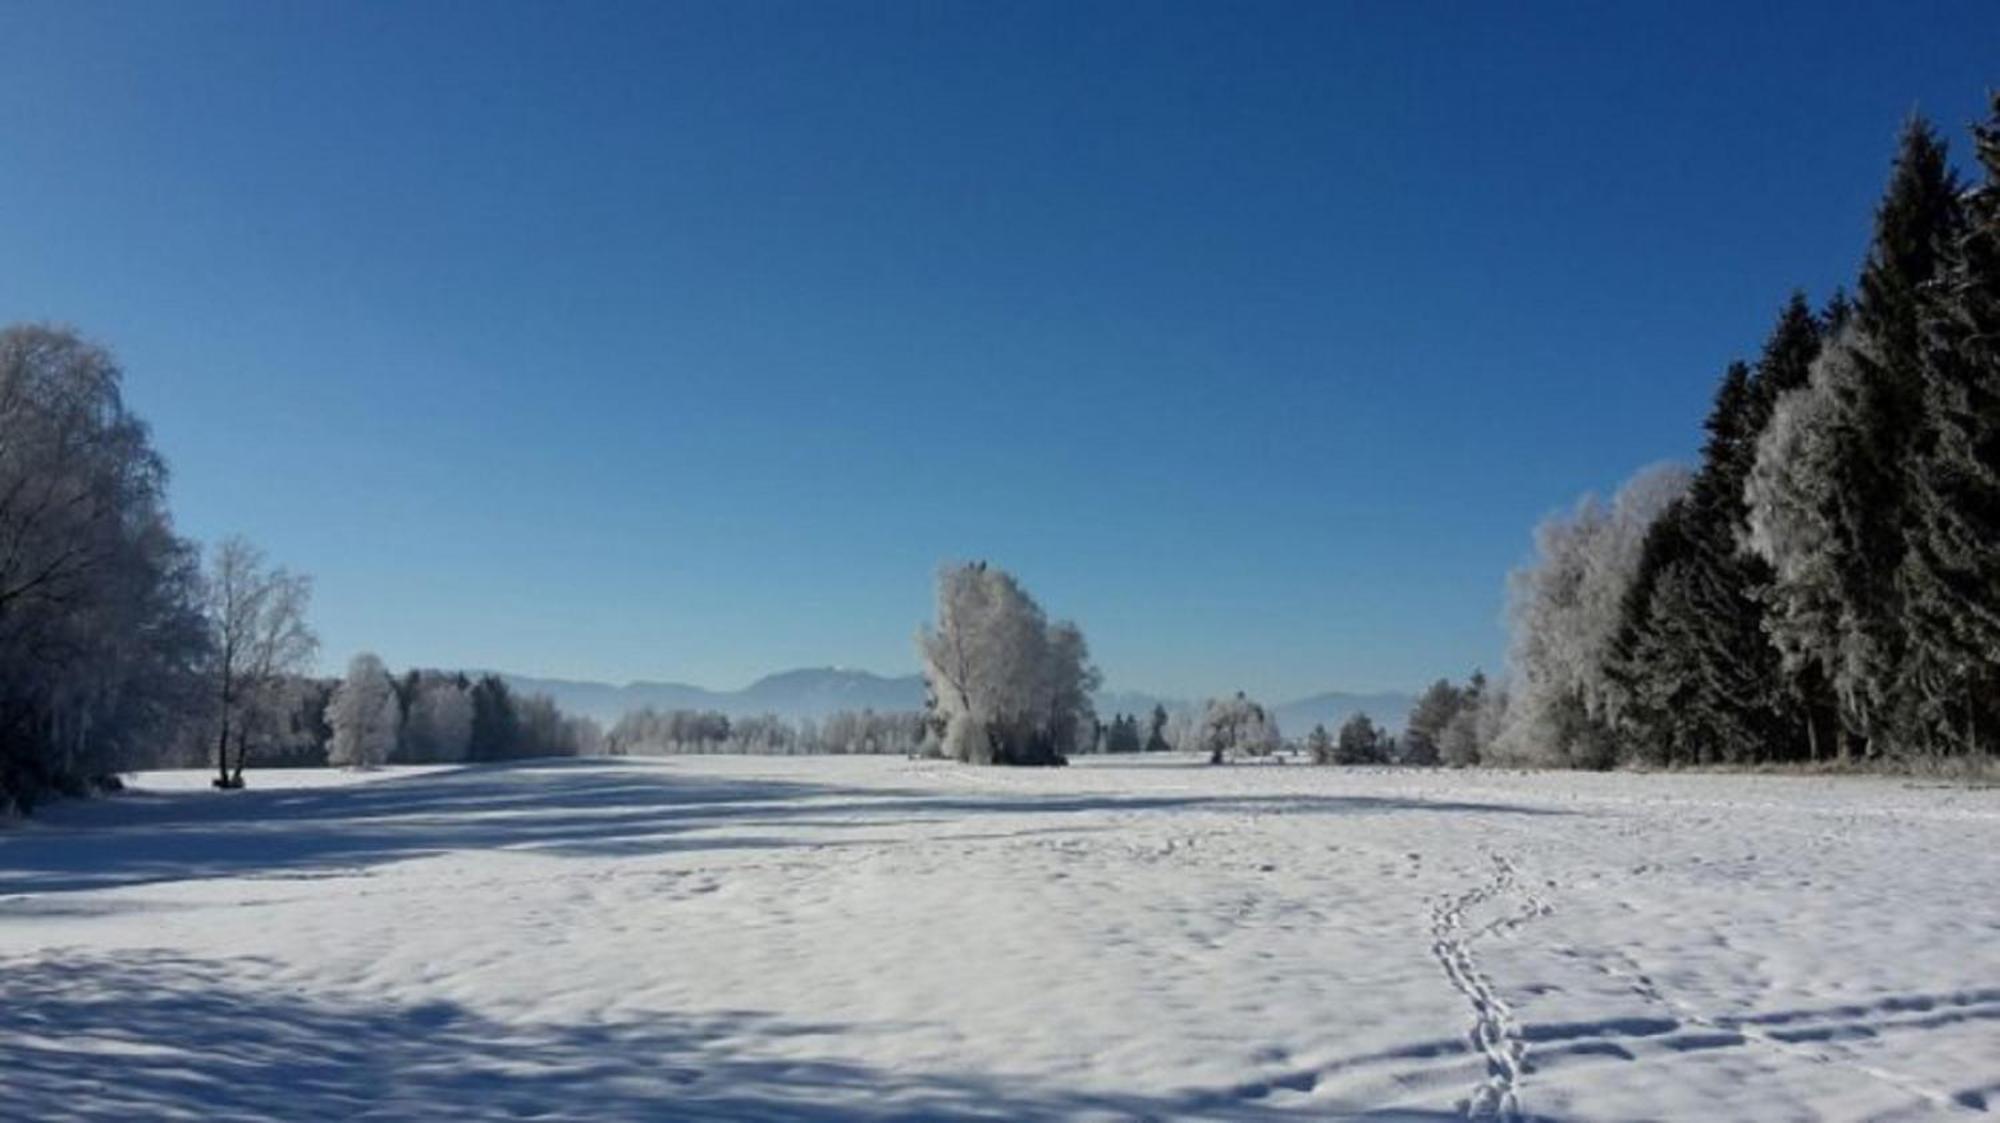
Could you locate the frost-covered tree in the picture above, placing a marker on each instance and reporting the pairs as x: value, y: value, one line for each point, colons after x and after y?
x: 363, y: 714
x: 1009, y: 686
x: 1474, y: 725
x: 1792, y: 527
x: 1235, y: 727
x: 1319, y: 745
x: 764, y: 734
x: 439, y: 725
x: 100, y: 627
x: 260, y: 643
x: 1833, y: 496
x: 1564, y: 611
x: 1423, y: 731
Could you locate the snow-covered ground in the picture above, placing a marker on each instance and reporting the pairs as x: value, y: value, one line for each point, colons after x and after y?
x: 746, y: 938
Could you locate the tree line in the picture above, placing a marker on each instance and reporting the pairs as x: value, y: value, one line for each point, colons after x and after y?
x: 1825, y: 583
x: 843, y: 733
x: 122, y: 647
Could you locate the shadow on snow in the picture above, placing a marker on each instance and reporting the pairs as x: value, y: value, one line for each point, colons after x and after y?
x: 150, y: 1035
x: 573, y: 808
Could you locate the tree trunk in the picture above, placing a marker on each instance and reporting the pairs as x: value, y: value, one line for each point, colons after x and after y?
x: 222, y: 751
x: 242, y: 751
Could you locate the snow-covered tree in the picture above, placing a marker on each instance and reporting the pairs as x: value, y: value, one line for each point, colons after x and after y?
x: 363, y: 714
x: 1319, y: 745
x: 439, y: 726
x: 1564, y: 611
x: 256, y: 615
x: 1009, y: 686
x: 1236, y: 727
x: 100, y: 631
x: 1791, y: 497
x: 1475, y: 726
x: 1423, y: 732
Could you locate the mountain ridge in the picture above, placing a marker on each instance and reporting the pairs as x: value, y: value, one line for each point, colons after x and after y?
x: 815, y: 692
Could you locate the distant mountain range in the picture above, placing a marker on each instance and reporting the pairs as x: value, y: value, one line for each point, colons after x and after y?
x: 814, y: 692
x: 805, y: 693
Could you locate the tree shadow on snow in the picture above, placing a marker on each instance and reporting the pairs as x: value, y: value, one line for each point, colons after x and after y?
x: 572, y: 808
x: 151, y: 1035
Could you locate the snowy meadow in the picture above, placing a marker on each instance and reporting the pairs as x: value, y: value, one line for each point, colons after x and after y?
x: 875, y: 938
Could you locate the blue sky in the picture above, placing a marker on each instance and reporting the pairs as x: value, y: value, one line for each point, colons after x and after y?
x: 683, y: 341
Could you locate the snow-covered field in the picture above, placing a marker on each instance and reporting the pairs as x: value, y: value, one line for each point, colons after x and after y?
x: 852, y: 938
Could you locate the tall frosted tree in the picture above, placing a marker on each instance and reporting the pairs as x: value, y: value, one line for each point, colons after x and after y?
x: 1565, y: 609
x: 439, y: 726
x: 1793, y: 527
x: 1832, y: 491
x: 1010, y: 686
x: 364, y: 715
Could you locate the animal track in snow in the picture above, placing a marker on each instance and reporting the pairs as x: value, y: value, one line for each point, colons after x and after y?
x: 1495, y: 1033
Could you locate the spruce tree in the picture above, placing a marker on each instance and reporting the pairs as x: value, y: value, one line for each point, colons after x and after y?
x: 1879, y: 429
x: 1949, y: 582
x: 1648, y: 665
x: 1699, y: 680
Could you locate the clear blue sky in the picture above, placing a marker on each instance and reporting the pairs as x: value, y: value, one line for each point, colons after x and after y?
x: 684, y: 340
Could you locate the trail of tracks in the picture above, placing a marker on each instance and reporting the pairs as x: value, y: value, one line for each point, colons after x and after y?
x: 1495, y: 1032
x: 1800, y: 1034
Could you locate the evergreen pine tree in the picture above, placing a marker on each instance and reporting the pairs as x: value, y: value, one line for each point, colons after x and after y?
x: 1917, y: 219
x: 1874, y: 377
x: 1949, y: 583
x: 1699, y: 681
x: 1156, y: 736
